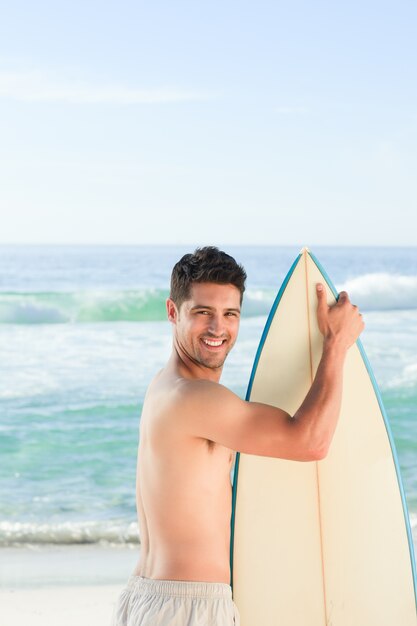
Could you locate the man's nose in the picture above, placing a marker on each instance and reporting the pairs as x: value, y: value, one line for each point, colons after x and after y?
x: 216, y: 324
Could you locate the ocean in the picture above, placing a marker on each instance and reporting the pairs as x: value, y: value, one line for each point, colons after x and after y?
x: 82, y: 332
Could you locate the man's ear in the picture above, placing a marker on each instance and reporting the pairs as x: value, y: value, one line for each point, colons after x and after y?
x: 172, y: 311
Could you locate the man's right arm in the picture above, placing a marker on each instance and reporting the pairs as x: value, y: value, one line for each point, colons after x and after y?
x: 213, y: 412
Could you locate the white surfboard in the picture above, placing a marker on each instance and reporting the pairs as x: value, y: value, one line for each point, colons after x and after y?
x: 324, y: 543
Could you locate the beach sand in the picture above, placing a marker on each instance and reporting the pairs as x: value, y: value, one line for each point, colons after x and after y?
x: 59, y: 606
x: 62, y: 586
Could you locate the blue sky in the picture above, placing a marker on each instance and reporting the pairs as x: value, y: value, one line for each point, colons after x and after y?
x: 196, y: 122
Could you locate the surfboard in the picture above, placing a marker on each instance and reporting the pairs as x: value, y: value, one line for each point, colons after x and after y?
x: 322, y: 543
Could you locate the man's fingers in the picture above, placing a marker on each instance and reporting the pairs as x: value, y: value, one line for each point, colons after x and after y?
x: 343, y: 295
x: 321, y: 295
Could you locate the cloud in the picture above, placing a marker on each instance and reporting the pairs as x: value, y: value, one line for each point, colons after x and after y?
x: 40, y: 86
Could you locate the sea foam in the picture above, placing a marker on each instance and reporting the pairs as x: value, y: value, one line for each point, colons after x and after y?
x: 108, y: 533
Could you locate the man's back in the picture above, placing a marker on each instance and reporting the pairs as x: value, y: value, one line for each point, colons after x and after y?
x: 183, y: 493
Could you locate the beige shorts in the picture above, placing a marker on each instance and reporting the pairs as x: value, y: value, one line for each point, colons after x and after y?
x: 150, y: 602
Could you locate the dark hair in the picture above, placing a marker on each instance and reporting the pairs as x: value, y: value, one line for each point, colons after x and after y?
x: 205, y: 265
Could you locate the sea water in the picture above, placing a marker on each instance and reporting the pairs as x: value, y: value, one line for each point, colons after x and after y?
x: 82, y: 332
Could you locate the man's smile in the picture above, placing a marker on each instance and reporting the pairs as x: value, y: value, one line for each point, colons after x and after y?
x: 213, y: 343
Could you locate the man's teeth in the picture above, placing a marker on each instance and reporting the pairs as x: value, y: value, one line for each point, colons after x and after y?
x: 213, y: 343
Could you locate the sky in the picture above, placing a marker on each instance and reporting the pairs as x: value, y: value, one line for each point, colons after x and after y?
x: 173, y: 122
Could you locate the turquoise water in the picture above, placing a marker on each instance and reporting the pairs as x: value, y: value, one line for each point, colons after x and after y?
x: 83, y: 330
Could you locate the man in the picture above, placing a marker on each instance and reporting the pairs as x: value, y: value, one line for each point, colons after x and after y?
x: 191, y: 427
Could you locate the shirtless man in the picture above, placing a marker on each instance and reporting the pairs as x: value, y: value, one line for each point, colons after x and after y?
x: 191, y: 427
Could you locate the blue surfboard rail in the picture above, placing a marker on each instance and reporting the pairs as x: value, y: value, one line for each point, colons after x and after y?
x: 377, y: 394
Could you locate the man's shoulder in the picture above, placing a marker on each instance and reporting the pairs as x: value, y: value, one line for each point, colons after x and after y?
x: 185, y: 392
x: 182, y: 396
x: 197, y: 389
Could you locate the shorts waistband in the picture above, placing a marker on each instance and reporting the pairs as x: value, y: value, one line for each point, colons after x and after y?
x: 188, y: 588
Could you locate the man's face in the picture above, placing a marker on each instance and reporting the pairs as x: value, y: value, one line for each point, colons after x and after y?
x: 206, y: 326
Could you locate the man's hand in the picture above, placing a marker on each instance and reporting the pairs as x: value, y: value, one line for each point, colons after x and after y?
x: 342, y: 322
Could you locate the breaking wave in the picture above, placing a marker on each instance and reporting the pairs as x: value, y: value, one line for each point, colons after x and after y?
x: 382, y: 291
x: 101, y: 306
x: 378, y: 291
